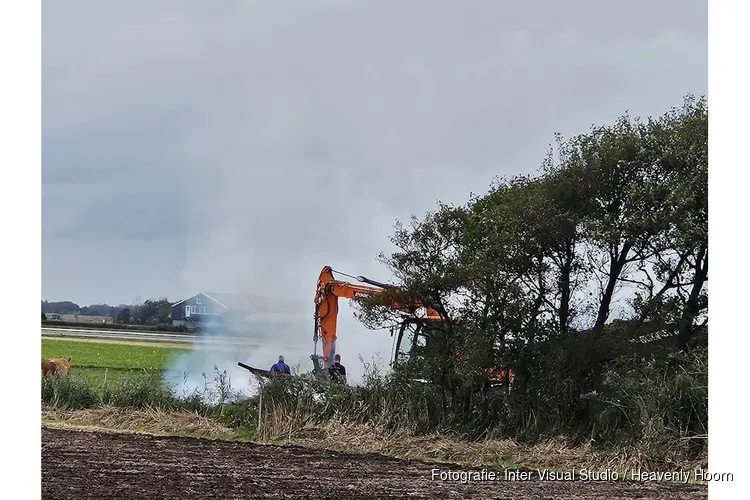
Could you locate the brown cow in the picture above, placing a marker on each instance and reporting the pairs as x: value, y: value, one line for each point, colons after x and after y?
x: 55, y: 366
x: 48, y: 367
x: 63, y: 365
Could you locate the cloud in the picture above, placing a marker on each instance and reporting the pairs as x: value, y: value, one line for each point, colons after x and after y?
x: 243, y: 145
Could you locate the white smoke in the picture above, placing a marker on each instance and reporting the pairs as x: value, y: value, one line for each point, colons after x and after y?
x: 210, y: 368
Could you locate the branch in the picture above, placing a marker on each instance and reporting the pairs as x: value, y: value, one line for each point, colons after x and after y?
x: 636, y: 282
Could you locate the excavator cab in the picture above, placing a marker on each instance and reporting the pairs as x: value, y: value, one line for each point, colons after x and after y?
x: 414, y: 338
x: 418, y: 343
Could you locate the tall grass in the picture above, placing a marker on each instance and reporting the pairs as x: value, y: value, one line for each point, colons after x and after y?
x: 215, y: 400
x: 661, y: 404
x: 657, y: 405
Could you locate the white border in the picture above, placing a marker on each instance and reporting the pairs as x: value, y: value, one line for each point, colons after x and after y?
x: 20, y: 137
x: 20, y: 158
x: 728, y: 185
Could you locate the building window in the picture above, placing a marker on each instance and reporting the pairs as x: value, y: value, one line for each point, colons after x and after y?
x: 199, y: 301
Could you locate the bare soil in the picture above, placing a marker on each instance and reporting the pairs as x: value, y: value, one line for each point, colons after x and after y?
x: 79, y: 464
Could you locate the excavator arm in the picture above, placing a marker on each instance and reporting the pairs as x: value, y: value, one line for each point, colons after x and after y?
x: 327, y: 295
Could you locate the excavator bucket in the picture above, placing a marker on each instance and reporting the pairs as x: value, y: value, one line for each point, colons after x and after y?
x: 260, y: 372
x: 318, y: 371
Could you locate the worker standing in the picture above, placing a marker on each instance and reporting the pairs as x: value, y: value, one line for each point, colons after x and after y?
x: 281, y: 367
x: 337, y: 370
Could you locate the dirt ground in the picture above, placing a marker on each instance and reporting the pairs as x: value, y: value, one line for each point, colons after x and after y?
x: 103, y: 465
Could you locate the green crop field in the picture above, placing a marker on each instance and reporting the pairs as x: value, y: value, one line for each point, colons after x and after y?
x: 93, y: 359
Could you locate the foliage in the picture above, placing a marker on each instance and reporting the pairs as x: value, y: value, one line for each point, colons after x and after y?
x: 64, y: 307
x: 629, y: 410
x: 100, y: 310
x: 563, y: 274
x: 151, y: 312
x: 657, y: 414
x: 124, y: 316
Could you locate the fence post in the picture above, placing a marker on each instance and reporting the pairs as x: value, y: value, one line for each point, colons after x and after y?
x: 260, y: 410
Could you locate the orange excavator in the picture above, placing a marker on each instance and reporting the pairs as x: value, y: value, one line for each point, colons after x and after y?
x: 327, y: 294
x: 425, y: 320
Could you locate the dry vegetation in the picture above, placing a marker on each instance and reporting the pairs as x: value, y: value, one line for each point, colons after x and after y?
x: 150, y: 420
x: 555, y: 454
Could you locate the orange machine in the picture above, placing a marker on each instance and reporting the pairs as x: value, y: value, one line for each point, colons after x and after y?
x: 327, y: 294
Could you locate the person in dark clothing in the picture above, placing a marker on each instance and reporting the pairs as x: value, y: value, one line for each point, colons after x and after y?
x: 281, y: 367
x: 337, y: 370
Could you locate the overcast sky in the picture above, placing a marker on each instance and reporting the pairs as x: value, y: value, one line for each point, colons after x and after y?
x: 241, y: 145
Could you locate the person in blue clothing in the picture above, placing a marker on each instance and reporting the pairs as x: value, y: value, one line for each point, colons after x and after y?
x: 337, y: 370
x: 281, y: 367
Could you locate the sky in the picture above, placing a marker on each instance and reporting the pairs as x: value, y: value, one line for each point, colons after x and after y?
x: 240, y: 146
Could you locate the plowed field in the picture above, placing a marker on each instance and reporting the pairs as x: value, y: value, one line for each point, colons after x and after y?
x: 104, y: 465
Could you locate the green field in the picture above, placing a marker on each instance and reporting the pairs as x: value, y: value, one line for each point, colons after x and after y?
x: 94, y: 359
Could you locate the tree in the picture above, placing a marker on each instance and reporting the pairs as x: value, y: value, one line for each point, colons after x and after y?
x: 426, y: 267
x: 123, y: 317
x: 609, y: 164
x: 678, y: 148
x: 100, y: 310
x: 622, y: 208
x: 152, y: 311
x: 64, y: 307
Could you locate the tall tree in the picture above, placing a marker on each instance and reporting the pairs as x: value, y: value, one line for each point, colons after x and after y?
x: 678, y: 148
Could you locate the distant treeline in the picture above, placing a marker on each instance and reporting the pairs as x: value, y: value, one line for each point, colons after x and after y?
x: 68, y: 307
x: 150, y: 312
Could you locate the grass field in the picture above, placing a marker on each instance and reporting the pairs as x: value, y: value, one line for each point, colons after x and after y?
x: 92, y: 359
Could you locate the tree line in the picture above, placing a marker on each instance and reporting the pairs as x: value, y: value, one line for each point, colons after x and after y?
x: 149, y: 312
x: 581, y: 278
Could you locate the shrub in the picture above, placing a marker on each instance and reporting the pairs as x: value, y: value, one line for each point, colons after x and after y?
x: 656, y: 402
x: 66, y: 392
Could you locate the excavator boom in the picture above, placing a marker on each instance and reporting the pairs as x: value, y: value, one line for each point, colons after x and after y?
x: 327, y: 295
